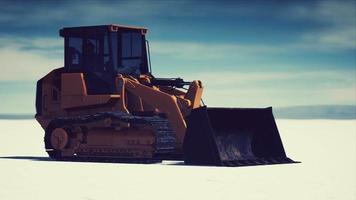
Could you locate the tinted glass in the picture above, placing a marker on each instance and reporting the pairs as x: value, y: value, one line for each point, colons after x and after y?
x: 107, y: 62
x: 131, y: 66
x: 131, y: 45
x: 136, y: 41
x: 126, y: 45
x: 114, y: 49
x: 94, y: 54
x: 75, y: 52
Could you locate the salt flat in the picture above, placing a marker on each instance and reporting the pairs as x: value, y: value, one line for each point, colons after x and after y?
x: 327, y: 149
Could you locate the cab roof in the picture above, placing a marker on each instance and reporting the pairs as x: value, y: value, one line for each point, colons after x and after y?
x: 83, y: 30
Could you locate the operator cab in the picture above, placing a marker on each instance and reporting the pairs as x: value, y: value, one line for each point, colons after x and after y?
x: 101, y: 52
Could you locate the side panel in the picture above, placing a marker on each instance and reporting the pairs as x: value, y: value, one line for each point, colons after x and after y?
x: 74, y: 93
x: 39, y: 97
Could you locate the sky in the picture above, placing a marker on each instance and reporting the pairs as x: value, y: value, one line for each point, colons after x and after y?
x: 247, y: 53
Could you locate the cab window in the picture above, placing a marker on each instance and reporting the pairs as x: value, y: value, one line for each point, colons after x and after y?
x: 92, y: 53
x: 131, y: 52
x: 74, y: 52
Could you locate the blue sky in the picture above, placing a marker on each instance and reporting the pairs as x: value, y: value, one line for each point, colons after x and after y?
x: 247, y: 53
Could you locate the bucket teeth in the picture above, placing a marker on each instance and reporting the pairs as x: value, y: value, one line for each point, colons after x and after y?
x: 258, y: 161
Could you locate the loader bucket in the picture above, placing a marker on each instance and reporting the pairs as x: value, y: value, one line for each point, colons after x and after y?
x: 233, y: 137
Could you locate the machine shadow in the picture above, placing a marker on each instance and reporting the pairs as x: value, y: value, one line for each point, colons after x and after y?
x: 32, y: 158
x: 164, y: 163
x: 47, y: 159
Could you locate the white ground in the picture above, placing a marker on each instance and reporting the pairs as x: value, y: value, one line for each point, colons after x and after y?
x: 327, y: 149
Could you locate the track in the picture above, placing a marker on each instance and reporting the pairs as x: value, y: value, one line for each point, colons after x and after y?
x: 165, y: 141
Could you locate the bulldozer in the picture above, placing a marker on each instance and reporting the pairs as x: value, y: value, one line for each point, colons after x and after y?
x: 105, y: 104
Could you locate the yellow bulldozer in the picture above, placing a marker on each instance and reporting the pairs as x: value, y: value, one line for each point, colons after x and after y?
x: 105, y: 104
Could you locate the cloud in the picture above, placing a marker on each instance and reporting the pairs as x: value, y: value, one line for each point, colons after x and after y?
x: 31, y: 43
x: 330, y: 12
x: 334, y: 32
x: 327, y: 42
x: 330, y: 40
x: 338, y: 24
x: 69, y: 12
x: 261, y: 89
x: 252, y: 97
x: 29, y: 59
x: 202, y: 51
x: 282, y: 88
x: 318, y: 79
